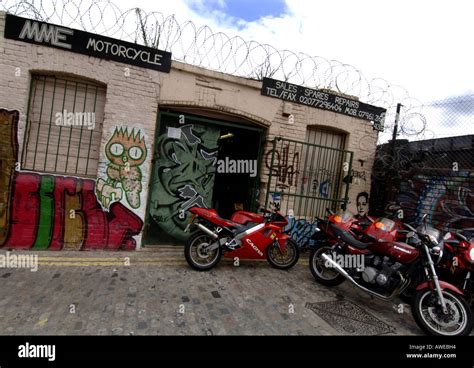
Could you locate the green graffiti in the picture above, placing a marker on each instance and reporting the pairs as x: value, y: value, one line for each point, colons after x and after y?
x: 183, y: 176
x: 46, y: 214
x: 126, y: 152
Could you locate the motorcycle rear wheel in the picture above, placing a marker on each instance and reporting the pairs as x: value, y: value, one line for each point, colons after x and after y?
x: 280, y: 260
x: 196, y: 257
x: 430, y: 318
x: 322, y: 274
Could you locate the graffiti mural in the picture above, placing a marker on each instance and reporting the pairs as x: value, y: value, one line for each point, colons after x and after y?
x: 42, y: 211
x: 358, y: 176
x: 183, y: 175
x: 285, y: 171
x: 125, y: 152
x: 447, y: 199
x: 301, y: 231
x: 8, y: 158
x: 362, y: 204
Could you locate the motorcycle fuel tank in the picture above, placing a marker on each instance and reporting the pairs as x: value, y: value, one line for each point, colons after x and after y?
x: 397, y: 251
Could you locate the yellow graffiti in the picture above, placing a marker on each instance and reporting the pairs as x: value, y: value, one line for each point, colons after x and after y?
x: 8, y: 152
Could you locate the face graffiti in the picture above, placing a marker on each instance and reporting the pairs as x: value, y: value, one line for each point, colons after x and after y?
x: 362, y: 203
x: 126, y: 152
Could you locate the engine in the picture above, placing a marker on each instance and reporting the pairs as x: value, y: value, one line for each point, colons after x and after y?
x: 381, y: 271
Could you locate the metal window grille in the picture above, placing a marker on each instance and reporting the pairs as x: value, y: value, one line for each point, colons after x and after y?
x: 64, y: 126
x: 307, y: 176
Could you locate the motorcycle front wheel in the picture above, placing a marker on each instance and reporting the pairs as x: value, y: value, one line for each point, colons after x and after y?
x: 430, y: 318
x: 283, y: 260
x: 196, y: 254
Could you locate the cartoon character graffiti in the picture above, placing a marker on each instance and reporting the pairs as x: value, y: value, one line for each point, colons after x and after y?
x: 126, y: 152
x: 362, y: 203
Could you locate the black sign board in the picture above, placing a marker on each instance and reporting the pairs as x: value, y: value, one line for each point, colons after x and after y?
x: 323, y: 100
x: 41, y: 33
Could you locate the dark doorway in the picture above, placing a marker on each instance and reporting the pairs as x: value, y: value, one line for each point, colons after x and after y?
x: 239, y: 152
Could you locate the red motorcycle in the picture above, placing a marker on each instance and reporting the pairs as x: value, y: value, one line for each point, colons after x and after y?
x: 386, y: 268
x: 255, y: 237
x: 457, y: 263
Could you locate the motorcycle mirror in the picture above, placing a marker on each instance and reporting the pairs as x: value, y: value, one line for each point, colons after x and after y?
x: 462, y: 237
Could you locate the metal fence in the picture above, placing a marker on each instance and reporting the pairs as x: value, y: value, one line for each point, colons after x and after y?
x: 306, y: 178
x: 429, y: 168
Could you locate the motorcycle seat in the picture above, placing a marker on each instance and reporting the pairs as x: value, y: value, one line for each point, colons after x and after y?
x: 452, y: 242
x: 239, y: 228
x: 348, y: 238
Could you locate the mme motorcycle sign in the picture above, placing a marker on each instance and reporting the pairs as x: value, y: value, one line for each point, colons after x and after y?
x: 41, y: 33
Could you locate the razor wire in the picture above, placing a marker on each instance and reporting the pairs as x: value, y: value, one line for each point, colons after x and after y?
x: 202, y: 47
x: 446, y: 122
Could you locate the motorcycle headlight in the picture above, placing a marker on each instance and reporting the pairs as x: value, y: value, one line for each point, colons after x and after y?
x: 380, y: 225
x: 471, y: 254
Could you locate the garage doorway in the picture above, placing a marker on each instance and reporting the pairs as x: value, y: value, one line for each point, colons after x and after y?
x: 200, y: 161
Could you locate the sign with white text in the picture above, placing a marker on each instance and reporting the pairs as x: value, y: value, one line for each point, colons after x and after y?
x: 324, y: 100
x: 41, y: 33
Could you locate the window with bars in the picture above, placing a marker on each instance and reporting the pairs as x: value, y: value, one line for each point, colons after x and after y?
x: 320, y: 170
x: 64, y: 126
x: 326, y: 166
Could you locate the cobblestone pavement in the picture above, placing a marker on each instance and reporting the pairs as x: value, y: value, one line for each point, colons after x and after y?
x: 156, y: 293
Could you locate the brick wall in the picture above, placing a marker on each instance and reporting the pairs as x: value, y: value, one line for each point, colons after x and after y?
x: 133, y: 97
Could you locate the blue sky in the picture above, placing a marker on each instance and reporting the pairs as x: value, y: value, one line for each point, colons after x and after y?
x: 246, y: 10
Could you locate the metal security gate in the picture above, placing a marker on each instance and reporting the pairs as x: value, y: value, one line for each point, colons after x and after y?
x: 306, y: 178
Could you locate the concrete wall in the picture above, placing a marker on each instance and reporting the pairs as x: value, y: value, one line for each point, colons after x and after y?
x: 133, y: 98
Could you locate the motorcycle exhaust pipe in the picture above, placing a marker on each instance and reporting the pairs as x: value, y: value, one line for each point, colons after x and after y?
x: 344, y: 273
x: 207, y: 231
